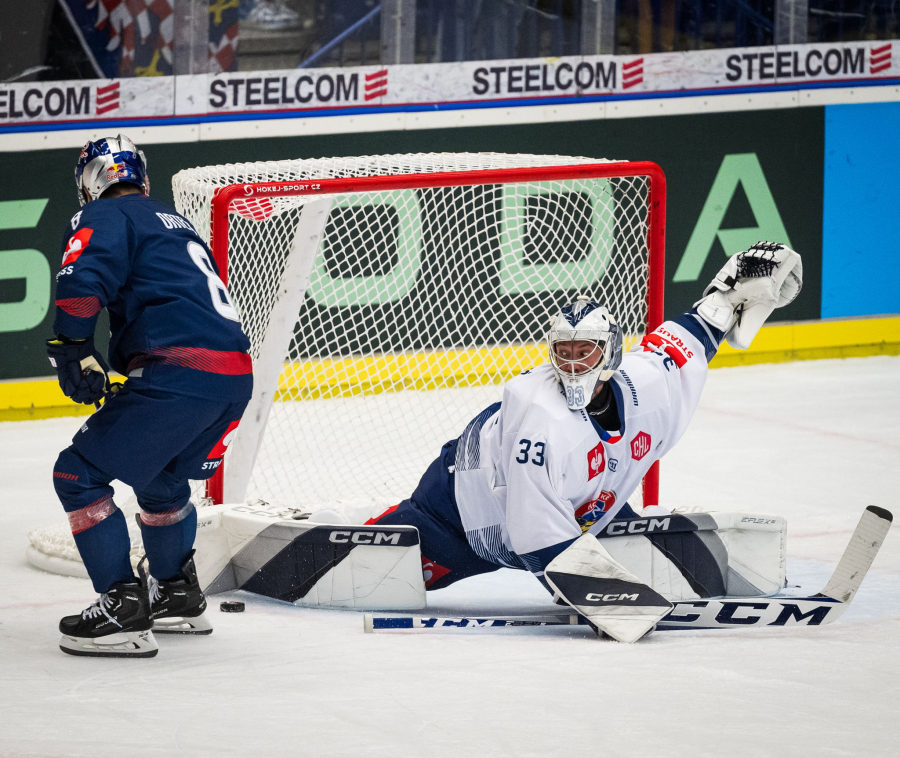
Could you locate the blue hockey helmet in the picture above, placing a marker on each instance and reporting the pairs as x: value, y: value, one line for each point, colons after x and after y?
x: 107, y: 161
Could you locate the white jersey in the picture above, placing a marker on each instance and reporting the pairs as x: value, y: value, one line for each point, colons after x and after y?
x: 531, y: 474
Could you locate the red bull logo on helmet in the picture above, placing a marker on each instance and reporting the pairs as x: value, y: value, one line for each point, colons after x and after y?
x: 117, y: 171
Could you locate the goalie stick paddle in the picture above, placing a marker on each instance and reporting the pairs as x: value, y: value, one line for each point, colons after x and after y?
x: 723, y: 613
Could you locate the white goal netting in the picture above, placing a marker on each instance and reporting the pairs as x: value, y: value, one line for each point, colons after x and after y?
x: 382, y: 321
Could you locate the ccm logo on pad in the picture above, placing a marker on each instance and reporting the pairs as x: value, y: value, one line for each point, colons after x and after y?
x: 365, y: 538
x: 615, y: 597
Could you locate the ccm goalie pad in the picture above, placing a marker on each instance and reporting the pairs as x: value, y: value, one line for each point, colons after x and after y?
x: 280, y: 553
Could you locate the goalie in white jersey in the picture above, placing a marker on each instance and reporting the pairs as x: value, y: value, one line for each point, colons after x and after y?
x: 572, y: 438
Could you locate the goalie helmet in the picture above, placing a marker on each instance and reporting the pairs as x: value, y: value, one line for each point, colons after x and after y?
x: 585, y: 349
x: 107, y: 161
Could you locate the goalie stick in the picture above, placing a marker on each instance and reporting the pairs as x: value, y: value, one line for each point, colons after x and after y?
x: 722, y: 613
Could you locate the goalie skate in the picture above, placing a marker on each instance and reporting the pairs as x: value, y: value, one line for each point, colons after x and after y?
x: 117, y: 625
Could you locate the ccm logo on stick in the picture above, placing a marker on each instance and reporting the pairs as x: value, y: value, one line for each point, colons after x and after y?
x: 365, y: 538
x: 597, y: 598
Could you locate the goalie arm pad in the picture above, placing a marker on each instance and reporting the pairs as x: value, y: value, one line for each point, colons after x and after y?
x: 749, y: 287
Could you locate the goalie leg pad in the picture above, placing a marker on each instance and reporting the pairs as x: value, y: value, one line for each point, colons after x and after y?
x: 587, y: 577
x: 264, y: 549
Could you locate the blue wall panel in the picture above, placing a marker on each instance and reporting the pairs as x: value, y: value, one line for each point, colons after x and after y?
x: 861, y: 210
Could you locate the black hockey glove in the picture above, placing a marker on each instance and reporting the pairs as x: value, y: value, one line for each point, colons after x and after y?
x: 81, y: 369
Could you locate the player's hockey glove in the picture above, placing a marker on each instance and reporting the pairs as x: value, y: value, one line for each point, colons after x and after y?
x: 81, y: 369
x: 748, y: 288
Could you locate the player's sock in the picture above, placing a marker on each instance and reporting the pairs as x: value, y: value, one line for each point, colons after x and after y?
x: 177, y: 606
x: 117, y: 625
x: 98, y: 526
x: 168, y: 537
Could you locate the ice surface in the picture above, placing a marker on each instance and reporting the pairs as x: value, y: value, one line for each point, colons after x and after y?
x: 814, y: 441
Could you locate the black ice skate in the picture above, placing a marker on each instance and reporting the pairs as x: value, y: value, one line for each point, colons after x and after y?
x: 118, y: 625
x: 178, y: 607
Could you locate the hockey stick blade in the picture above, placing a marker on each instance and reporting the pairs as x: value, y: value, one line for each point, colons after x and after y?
x: 782, y: 610
x: 723, y: 613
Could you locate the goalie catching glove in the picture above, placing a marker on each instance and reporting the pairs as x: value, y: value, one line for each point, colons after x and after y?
x: 748, y: 288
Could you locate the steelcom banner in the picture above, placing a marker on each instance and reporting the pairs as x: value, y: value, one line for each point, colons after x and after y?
x: 450, y: 85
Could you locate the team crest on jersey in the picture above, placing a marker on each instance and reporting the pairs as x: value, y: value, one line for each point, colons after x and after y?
x: 596, y: 460
x: 640, y: 446
x: 77, y: 243
x: 591, y: 512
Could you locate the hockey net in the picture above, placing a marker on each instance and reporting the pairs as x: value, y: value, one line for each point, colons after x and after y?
x: 388, y: 298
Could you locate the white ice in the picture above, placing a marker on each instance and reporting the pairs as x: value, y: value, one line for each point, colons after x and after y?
x: 813, y: 441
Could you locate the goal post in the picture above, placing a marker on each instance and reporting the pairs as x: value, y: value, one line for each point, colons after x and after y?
x: 626, y: 224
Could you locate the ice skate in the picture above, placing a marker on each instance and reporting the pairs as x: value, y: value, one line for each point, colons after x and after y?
x: 178, y: 607
x: 117, y: 625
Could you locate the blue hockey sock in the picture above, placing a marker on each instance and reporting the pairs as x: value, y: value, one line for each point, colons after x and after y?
x: 98, y: 526
x: 168, y: 524
x: 168, y: 539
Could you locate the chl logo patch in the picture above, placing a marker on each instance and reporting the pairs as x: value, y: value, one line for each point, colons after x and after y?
x: 596, y: 460
x: 640, y: 446
x: 222, y: 445
x: 77, y: 243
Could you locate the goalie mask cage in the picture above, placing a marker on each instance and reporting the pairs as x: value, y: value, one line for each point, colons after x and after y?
x: 388, y: 298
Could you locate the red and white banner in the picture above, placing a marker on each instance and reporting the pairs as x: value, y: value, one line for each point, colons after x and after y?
x: 450, y: 84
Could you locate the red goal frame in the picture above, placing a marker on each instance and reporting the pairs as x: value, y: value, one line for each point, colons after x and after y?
x: 656, y: 233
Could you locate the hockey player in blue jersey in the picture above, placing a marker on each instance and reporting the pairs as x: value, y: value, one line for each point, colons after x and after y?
x: 176, y: 336
x: 534, y: 477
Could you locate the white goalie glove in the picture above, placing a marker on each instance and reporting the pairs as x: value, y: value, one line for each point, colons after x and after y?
x: 748, y: 288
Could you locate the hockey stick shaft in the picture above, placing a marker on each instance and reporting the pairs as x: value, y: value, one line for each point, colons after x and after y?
x: 728, y: 613
x: 391, y: 623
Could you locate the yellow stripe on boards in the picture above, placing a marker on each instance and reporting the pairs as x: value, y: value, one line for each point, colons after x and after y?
x: 353, y: 377
x: 373, y: 375
x: 815, y: 340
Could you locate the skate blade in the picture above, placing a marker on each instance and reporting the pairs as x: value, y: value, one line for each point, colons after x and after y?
x: 183, y: 625
x: 118, y: 645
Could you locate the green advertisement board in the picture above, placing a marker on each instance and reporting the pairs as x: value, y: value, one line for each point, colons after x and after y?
x: 733, y: 178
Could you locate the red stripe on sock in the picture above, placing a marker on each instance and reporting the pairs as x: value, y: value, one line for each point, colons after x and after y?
x: 92, y: 514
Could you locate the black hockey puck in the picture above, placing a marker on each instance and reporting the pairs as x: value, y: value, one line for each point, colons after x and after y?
x: 231, y: 606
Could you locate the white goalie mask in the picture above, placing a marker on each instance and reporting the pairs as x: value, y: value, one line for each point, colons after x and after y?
x: 585, y: 349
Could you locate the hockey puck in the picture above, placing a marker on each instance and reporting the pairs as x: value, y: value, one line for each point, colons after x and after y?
x: 231, y: 606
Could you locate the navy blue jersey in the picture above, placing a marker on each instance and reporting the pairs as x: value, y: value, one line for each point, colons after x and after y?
x: 172, y: 322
